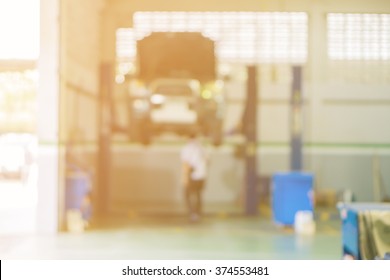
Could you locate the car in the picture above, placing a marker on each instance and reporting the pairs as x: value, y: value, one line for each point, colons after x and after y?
x: 17, y: 152
x: 176, y: 88
x: 178, y: 106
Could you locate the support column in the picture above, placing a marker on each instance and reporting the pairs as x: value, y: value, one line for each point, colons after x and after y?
x: 48, y: 118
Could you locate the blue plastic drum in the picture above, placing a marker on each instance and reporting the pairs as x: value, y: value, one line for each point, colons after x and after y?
x: 78, y: 187
x: 291, y: 192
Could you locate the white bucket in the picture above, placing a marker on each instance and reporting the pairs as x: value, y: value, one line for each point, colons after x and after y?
x: 304, y: 223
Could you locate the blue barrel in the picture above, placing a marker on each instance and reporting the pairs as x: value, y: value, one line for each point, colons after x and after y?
x: 350, y: 232
x: 291, y: 192
x: 78, y: 186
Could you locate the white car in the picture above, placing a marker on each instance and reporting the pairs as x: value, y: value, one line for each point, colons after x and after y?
x: 16, y: 155
x: 178, y: 106
x: 178, y: 72
x: 174, y: 104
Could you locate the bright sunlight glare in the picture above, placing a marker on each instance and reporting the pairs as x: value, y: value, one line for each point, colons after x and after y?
x: 19, y: 29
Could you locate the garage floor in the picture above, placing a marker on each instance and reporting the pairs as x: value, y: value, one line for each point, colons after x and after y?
x: 217, y: 236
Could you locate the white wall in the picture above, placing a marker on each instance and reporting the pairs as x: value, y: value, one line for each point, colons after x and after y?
x: 69, y: 84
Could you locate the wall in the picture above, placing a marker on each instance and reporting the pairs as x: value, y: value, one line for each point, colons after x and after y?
x: 80, y: 60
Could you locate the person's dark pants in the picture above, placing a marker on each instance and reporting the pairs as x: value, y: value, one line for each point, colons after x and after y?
x: 194, y: 196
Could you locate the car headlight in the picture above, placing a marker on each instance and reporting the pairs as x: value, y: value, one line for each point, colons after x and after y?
x: 141, y: 105
x: 157, y: 99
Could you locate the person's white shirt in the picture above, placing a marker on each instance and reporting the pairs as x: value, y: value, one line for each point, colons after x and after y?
x: 194, y: 154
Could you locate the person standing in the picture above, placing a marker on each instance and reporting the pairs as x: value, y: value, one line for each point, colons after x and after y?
x: 194, y: 172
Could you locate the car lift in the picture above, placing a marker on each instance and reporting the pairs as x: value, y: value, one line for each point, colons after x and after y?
x: 250, y: 132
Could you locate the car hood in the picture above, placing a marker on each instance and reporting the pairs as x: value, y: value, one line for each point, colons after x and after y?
x: 176, y: 55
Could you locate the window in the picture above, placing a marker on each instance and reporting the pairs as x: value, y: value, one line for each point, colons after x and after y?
x: 19, y: 51
x: 17, y: 101
x: 241, y: 37
x: 125, y: 52
x: 359, y: 36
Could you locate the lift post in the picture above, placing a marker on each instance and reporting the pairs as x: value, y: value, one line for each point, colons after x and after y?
x: 250, y: 131
x: 104, y: 142
x: 296, y: 120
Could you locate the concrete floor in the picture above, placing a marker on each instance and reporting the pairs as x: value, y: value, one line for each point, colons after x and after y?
x: 169, y: 235
x: 217, y: 236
